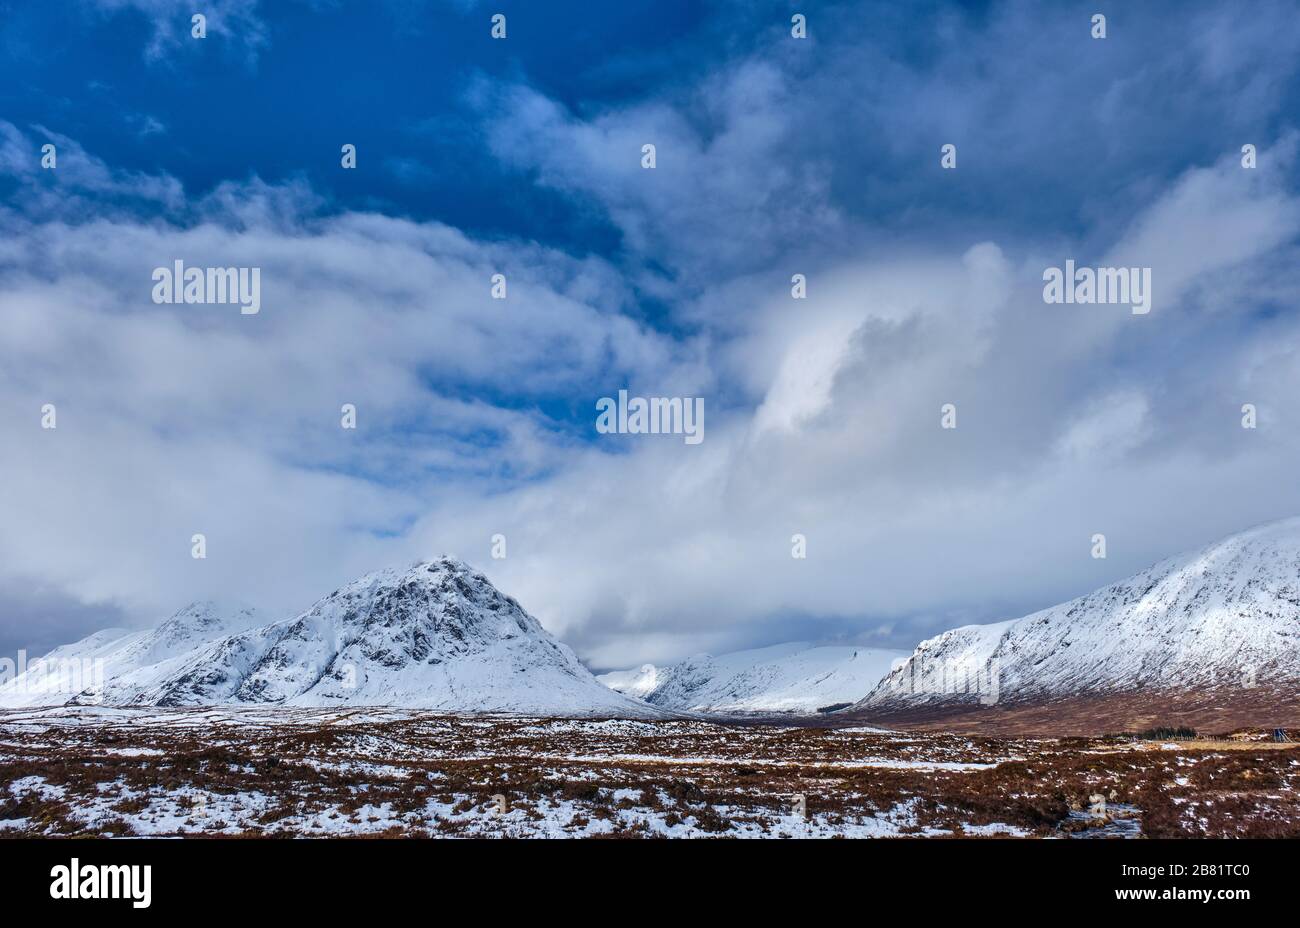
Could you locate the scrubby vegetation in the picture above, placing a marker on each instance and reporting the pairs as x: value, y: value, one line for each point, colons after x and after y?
x: 413, y: 774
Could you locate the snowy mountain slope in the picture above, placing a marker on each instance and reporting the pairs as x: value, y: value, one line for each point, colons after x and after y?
x: 792, y: 677
x: 637, y: 683
x: 435, y: 636
x: 58, y: 676
x: 1227, y: 615
x: 90, y: 668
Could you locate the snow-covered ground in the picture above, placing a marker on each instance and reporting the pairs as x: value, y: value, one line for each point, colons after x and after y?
x: 302, y: 771
x: 349, y: 771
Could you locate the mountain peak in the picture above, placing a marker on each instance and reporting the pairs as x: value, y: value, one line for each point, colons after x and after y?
x: 435, y: 634
x: 443, y: 563
x: 209, y: 613
x: 444, y: 571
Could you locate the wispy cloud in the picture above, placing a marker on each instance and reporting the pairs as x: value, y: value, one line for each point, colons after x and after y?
x: 170, y: 24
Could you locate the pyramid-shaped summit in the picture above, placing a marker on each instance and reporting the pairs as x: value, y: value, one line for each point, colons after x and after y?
x: 435, y: 635
x: 434, y: 631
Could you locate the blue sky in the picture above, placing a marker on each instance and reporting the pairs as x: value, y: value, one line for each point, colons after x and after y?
x: 396, y: 78
x: 476, y: 417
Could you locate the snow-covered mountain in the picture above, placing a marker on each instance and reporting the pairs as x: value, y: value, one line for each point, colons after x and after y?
x: 792, y: 677
x: 1225, y: 616
x: 638, y: 683
x: 436, y: 635
x: 116, y: 658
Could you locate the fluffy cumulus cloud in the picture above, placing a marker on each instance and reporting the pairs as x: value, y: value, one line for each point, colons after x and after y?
x: 171, y: 421
x: 822, y: 415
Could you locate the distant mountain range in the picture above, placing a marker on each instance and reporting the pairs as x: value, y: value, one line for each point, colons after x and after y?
x: 438, y: 635
x: 784, y: 678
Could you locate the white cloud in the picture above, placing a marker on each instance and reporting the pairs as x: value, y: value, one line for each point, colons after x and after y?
x: 1111, y: 428
x: 823, y: 414
x: 174, y: 420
